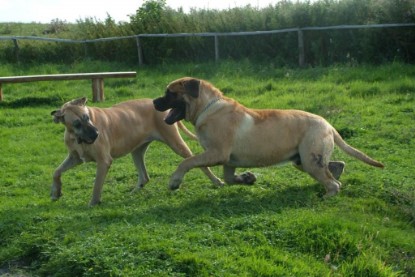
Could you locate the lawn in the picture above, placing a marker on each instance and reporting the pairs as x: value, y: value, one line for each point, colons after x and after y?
x: 281, y: 226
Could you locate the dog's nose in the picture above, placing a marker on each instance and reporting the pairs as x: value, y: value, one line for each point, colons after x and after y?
x: 160, y: 104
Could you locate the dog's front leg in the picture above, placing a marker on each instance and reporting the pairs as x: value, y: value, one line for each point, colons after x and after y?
x: 102, y: 170
x: 215, y: 180
x: 70, y: 162
x: 206, y: 159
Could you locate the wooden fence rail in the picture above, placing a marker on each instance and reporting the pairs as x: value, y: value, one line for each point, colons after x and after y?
x: 97, y: 80
x: 301, y: 55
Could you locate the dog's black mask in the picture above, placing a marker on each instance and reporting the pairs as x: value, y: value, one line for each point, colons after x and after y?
x: 171, y: 101
x: 84, y: 131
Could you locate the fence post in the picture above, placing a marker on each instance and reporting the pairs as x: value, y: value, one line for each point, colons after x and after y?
x: 301, y: 55
x: 216, y: 48
x: 98, y: 90
x: 139, y: 51
x: 85, y: 50
x: 16, y: 49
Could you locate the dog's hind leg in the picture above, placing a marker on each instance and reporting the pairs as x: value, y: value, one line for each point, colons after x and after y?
x: 138, y: 158
x: 70, y: 162
x: 320, y: 171
x: 230, y: 177
x: 315, y: 161
x: 336, y: 167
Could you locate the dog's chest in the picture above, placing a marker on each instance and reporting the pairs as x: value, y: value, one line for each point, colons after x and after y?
x: 244, y: 129
x: 81, y: 149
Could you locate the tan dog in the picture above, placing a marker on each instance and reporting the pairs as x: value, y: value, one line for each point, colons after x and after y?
x: 101, y: 135
x: 235, y: 136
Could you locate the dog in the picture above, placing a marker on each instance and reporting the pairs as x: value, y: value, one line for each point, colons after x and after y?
x: 234, y: 136
x: 102, y: 135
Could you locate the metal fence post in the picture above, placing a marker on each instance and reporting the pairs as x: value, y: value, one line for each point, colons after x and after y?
x: 216, y: 48
x: 85, y: 50
x: 139, y: 51
x: 16, y: 49
x: 301, y: 55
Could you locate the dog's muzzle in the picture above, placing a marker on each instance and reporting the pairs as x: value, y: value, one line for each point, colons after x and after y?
x: 86, y: 133
x: 161, y: 104
x: 177, y: 112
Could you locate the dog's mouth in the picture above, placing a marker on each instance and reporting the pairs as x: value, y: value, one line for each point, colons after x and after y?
x: 87, y: 140
x: 177, y: 109
x: 175, y: 114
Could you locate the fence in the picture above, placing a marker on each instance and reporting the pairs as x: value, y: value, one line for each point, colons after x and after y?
x: 138, y: 38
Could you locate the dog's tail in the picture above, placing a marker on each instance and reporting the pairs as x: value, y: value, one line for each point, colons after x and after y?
x: 354, y: 152
x: 186, y: 131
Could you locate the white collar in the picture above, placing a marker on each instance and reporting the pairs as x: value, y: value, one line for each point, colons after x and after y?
x: 207, y: 107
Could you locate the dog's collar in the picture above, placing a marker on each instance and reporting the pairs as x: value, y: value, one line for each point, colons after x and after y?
x: 208, y: 105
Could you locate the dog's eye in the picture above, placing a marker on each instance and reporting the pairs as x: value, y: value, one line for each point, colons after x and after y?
x: 170, y: 95
x: 85, y: 117
x: 76, y: 124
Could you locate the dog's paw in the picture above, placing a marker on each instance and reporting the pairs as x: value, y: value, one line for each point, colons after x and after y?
x: 332, y: 189
x: 175, y: 184
x: 218, y: 183
x: 93, y: 203
x: 138, y: 188
x: 55, y: 194
x: 247, y: 178
x: 55, y: 197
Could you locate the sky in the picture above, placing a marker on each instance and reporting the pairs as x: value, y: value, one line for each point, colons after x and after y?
x: 44, y: 11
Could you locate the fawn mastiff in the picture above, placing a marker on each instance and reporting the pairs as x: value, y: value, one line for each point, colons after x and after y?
x: 234, y: 136
x: 103, y: 134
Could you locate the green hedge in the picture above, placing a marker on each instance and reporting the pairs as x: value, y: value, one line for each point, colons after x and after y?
x: 321, y: 47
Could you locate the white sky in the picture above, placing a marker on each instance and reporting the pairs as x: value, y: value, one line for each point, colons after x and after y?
x: 45, y: 11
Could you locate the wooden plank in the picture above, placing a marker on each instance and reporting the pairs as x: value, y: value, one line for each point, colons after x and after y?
x: 76, y: 76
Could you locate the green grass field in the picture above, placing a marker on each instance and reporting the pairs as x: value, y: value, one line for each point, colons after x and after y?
x: 281, y: 226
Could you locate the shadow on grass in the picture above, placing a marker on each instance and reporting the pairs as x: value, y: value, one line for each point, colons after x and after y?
x: 231, y: 202
x: 32, y: 102
x: 236, y: 201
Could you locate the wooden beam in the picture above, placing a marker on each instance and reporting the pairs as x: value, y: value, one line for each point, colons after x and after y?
x: 97, y: 80
x: 59, y: 77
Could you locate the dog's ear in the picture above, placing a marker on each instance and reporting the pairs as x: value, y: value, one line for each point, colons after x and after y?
x: 192, y: 87
x: 58, y: 116
x: 79, y: 102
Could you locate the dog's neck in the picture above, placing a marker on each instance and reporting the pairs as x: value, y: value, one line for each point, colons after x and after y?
x: 206, y: 108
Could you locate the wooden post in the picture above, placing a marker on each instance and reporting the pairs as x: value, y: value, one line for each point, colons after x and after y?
x: 1, y: 93
x: 140, y: 51
x: 98, y: 90
x: 301, y: 55
x: 216, y: 48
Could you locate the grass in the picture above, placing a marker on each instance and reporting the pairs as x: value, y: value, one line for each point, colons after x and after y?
x: 278, y: 227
